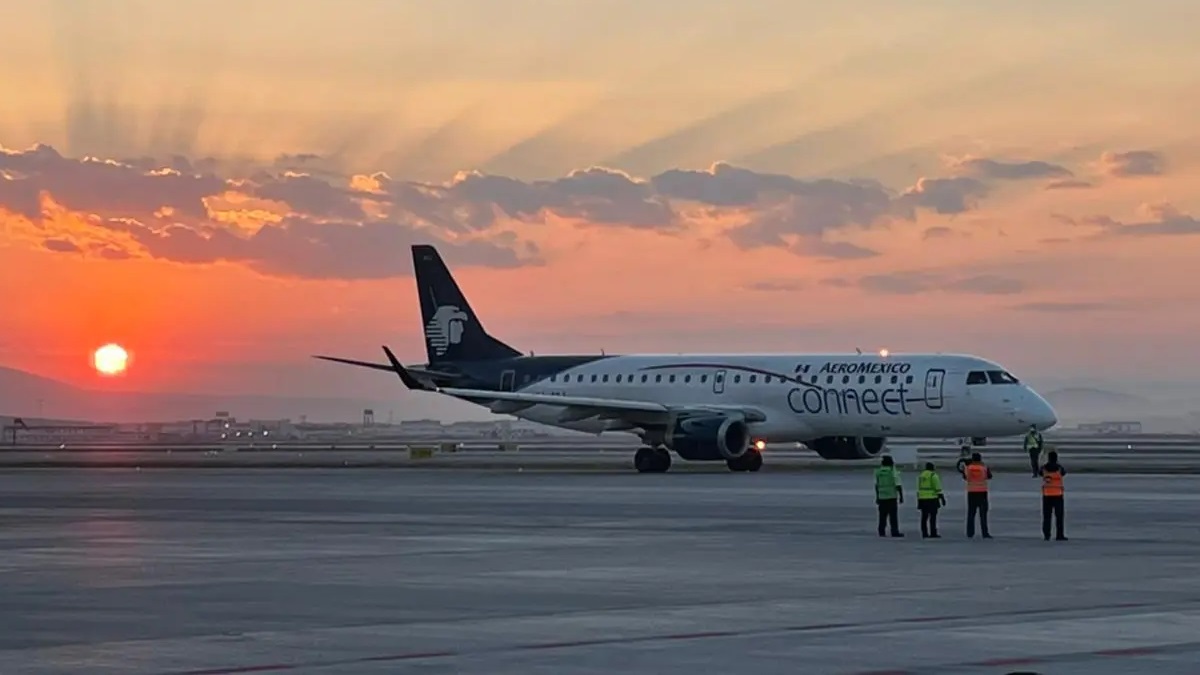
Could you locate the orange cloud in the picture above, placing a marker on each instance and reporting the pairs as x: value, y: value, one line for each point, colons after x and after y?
x: 289, y: 223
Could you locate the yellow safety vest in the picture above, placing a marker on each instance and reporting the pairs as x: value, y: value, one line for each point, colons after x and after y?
x: 929, y: 485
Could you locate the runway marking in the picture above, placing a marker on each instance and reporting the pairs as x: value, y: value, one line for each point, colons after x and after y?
x: 660, y: 637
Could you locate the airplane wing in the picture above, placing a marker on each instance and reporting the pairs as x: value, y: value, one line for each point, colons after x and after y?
x: 575, y: 408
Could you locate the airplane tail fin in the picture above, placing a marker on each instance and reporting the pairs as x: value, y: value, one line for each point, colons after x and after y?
x: 452, y: 330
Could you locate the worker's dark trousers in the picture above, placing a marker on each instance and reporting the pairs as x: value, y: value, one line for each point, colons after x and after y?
x: 1052, y: 505
x: 929, y: 510
x: 1033, y: 460
x: 889, y: 514
x: 977, y: 502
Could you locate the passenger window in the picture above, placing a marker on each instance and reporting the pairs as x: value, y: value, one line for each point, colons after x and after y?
x: 753, y: 379
x: 604, y: 378
x: 895, y: 379
x: 813, y: 379
x: 645, y: 377
x: 687, y: 378
x: 766, y: 379
x: 977, y: 377
x: 593, y: 378
x: 829, y: 379
x: 580, y: 378
x: 703, y: 379
x: 908, y: 380
x: 618, y: 378
x: 862, y: 379
x: 737, y: 379
x: 845, y: 379
x: 671, y: 378
x: 658, y: 378
x: 878, y: 379
x: 1001, y: 377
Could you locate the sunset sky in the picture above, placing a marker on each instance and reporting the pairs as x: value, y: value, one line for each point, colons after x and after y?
x: 226, y: 188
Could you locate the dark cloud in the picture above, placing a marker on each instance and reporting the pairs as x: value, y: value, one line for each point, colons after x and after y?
x: 61, y: 246
x: 916, y: 282
x: 944, y: 195
x: 776, y: 285
x: 1162, y: 220
x: 992, y: 169
x: 1063, y: 307
x: 1132, y: 163
x: 837, y: 283
x: 1068, y: 185
x: 111, y: 187
x: 309, y: 195
x: 937, y: 232
x: 317, y: 250
x: 297, y: 218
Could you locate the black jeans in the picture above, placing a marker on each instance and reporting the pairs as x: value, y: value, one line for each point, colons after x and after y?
x: 977, y: 502
x: 1033, y: 460
x: 929, y: 510
x: 889, y: 514
x: 1052, y: 505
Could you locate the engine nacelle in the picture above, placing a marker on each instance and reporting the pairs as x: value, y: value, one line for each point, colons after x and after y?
x: 701, y: 439
x: 848, y: 447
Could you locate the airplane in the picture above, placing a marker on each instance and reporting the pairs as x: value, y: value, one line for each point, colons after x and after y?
x: 713, y: 407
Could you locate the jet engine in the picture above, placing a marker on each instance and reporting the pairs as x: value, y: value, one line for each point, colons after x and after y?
x: 848, y: 447
x: 712, y: 438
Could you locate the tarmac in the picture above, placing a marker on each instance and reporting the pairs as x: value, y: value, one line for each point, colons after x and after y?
x: 321, y: 571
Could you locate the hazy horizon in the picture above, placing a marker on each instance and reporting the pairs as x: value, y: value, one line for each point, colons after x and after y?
x: 225, y: 194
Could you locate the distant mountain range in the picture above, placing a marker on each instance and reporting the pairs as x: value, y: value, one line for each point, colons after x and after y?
x: 23, y: 394
x: 1087, y: 398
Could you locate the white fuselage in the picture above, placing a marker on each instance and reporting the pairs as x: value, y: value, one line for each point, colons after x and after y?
x: 808, y: 396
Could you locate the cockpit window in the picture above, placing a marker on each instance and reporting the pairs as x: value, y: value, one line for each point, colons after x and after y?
x: 1001, y: 377
x: 977, y: 377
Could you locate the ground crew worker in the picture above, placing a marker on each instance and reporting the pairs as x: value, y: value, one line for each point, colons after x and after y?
x: 1033, y: 445
x: 1052, y: 496
x: 929, y: 500
x: 977, y: 475
x: 888, y: 492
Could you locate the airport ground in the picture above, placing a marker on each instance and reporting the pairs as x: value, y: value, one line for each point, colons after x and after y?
x: 471, y: 571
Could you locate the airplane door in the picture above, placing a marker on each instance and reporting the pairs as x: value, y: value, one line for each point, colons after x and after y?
x: 934, y: 379
x: 719, y: 382
x: 507, y: 380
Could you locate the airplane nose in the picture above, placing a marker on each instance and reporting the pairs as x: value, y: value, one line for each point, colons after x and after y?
x: 1039, y: 411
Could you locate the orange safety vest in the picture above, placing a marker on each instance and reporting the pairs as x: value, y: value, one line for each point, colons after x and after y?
x: 1052, y: 483
x: 976, y: 478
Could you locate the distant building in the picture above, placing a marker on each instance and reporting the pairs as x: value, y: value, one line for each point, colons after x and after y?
x: 1112, y: 427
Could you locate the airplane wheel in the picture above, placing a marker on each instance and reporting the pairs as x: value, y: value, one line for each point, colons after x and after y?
x: 644, y: 460
x: 662, y: 460
x: 754, y: 460
x: 652, y: 460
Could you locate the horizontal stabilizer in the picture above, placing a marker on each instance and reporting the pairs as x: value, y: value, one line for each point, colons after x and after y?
x: 422, y: 372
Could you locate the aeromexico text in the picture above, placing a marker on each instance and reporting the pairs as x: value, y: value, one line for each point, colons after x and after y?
x: 864, y: 399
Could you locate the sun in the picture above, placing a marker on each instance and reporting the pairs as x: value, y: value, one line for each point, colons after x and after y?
x: 111, y: 359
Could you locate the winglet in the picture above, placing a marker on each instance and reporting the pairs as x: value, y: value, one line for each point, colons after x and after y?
x: 405, y: 377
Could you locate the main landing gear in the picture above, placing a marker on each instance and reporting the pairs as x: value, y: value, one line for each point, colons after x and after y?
x: 652, y: 460
x: 751, y: 461
x: 658, y: 460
